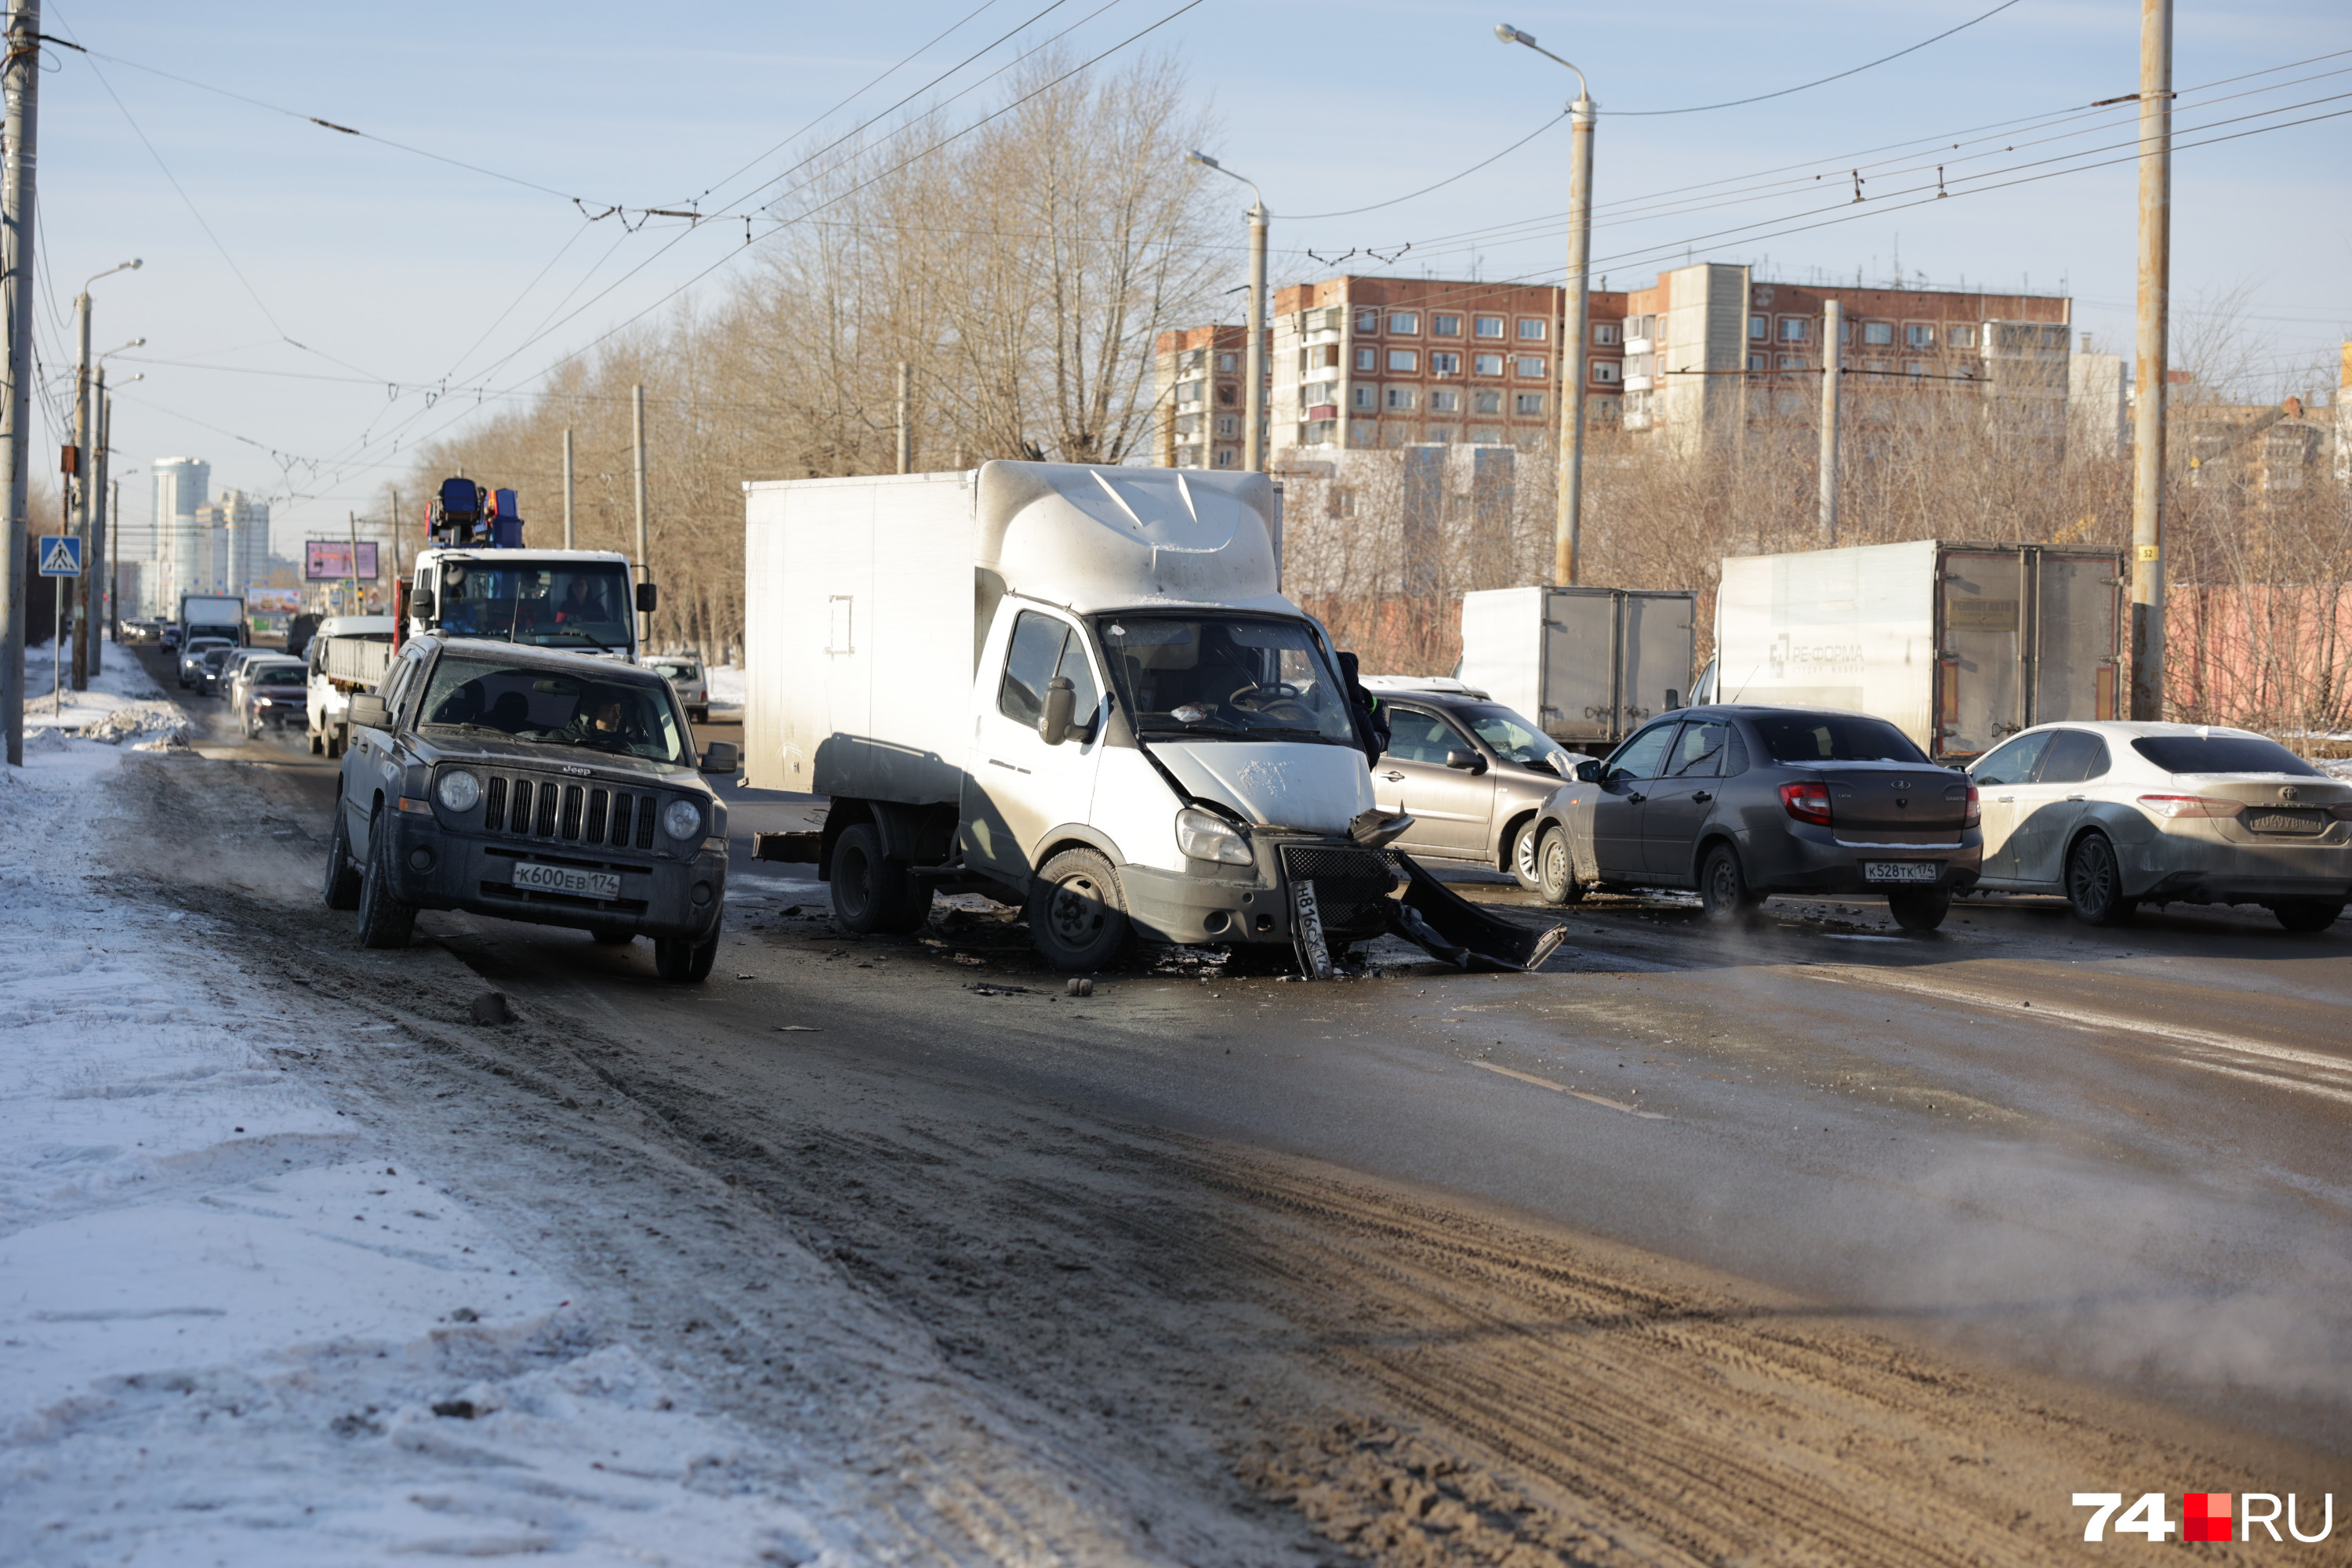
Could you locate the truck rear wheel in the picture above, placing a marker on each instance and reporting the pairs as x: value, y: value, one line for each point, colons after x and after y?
x: 1076, y: 917
x: 869, y: 893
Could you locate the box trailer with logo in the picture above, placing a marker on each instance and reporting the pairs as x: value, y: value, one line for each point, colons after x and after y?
x: 1960, y: 644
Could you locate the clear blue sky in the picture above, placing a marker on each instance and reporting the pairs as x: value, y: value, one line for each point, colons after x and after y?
x: 389, y: 268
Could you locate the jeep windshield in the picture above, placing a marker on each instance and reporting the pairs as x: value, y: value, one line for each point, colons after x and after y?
x: 586, y: 605
x: 628, y: 715
x: 1244, y: 677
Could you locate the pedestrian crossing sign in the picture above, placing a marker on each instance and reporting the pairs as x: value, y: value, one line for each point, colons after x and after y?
x: 60, y: 556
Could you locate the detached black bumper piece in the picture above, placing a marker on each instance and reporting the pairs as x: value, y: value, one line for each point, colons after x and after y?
x: 1448, y: 926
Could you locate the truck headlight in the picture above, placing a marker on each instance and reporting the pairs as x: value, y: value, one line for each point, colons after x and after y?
x: 1206, y: 838
x: 683, y: 819
x: 459, y: 790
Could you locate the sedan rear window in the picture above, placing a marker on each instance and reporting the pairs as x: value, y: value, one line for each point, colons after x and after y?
x: 1802, y: 737
x: 2222, y: 755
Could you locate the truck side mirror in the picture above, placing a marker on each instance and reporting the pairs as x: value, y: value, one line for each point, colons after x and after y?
x: 420, y: 604
x: 1061, y: 707
x: 721, y: 757
x: 367, y: 711
x: 1673, y: 698
x: 648, y: 597
x: 1468, y: 761
x: 1588, y: 772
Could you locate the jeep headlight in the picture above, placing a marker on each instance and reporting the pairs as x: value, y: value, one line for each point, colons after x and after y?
x: 683, y: 819
x: 1206, y: 838
x: 459, y: 789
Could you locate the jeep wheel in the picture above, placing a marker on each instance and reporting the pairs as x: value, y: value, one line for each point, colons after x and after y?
x: 384, y: 920
x: 684, y: 959
x: 1077, y: 920
x: 342, y: 886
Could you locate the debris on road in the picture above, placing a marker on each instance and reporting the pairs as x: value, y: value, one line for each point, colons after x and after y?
x: 491, y: 1008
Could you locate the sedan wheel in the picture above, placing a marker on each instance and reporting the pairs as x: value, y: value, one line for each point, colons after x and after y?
x: 2307, y: 914
x: 1723, y: 888
x: 1556, y: 869
x: 1526, y: 843
x: 1918, y: 908
x: 2095, y: 885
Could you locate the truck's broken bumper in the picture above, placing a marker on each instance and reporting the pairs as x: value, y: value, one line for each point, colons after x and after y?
x: 1351, y: 889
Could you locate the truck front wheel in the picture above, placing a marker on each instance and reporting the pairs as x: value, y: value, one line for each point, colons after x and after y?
x: 1075, y: 918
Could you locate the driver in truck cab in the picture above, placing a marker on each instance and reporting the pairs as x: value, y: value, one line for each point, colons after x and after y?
x: 581, y: 602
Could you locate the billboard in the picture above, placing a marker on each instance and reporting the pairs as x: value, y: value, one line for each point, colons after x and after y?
x: 326, y: 560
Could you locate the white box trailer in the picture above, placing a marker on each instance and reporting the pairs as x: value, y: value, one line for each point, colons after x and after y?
x: 1588, y: 665
x: 1960, y: 645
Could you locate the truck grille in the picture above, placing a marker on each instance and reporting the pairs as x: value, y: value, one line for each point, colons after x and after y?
x: 541, y: 808
x: 1352, y: 886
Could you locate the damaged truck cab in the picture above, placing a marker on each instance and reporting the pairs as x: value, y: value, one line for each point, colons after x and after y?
x: 1072, y: 688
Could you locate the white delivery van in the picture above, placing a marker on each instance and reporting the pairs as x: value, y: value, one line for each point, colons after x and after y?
x: 347, y: 654
x: 1070, y: 687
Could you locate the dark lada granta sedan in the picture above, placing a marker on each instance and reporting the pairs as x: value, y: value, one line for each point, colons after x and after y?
x: 557, y: 788
x: 1742, y: 802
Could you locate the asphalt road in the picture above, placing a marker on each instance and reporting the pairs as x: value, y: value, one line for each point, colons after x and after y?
x: 2114, y: 1156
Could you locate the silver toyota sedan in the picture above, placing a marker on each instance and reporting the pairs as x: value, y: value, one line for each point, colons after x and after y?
x: 2113, y: 815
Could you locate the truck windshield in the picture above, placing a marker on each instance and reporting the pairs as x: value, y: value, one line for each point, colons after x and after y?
x: 585, y: 605
x: 1224, y: 675
x: 631, y: 716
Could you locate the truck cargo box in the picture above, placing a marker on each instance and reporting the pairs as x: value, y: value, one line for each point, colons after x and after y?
x: 1960, y: 645
x: 1588, y: 665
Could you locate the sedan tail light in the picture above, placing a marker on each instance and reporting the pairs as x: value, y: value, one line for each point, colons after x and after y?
x: 1807, y: 802
x: 1975, y: 818
x: 2173, y: 806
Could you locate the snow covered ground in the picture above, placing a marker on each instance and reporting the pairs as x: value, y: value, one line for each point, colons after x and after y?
x: 237, y: 1327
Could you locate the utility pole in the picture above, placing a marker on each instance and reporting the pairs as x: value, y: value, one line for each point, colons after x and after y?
x: 357, y: 607
x: 399, y: 570
x: 567, y: 488
x: 637, y: 441
x: 905, y: 447
x: 1832, y: 367
x: 1575, y: 329
x: 1254, y: 362
x: 78, y: 595
x: 114, y: 547
x: 2154, y: 307
x: 101, y: 523
x: 20, y: 81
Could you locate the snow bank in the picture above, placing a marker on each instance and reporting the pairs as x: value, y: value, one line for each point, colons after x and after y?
x: 235, y: 1328
x: 121, y: 705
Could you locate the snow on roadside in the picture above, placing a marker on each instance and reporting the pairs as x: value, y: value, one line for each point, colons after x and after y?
x: 121, y: 704
x: 235, y: 1328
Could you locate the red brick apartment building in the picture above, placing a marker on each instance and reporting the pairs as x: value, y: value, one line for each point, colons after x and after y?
x: 1375, y: 363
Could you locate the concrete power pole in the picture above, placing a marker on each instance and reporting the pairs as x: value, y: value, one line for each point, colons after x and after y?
x: 1569, y: 530
x: 1254, y: 362
x: 1833, y: 346
x: 906, y: 446
x: 101, y: 523
x: 637, y: 440
x: 2154, y: 308
x: 20, y: 79
x: 77, y: 593
x: 567, y: 490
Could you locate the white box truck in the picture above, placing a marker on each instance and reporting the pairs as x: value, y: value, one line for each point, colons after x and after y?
x: 1960, y: 645
x: 347, y: 654
x: 1069, y: 687
x: 1589, y: 666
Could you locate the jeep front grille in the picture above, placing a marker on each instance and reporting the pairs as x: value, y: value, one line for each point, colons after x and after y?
x: 576, y: 813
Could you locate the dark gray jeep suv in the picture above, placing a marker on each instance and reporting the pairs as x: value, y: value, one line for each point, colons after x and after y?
x: 537, y: 785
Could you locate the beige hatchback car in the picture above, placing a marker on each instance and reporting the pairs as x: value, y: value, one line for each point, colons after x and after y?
x: 2115, y: 814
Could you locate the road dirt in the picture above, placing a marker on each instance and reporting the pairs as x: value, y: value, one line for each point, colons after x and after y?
x: 1131, y: 1343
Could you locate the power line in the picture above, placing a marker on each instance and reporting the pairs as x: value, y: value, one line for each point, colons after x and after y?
x: 1803, y: 87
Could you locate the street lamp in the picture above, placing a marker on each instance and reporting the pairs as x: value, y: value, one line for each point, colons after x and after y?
x: 85, y: 423
x: 1573, y: 349
x: 1253, y: 364
x: 104, y: 532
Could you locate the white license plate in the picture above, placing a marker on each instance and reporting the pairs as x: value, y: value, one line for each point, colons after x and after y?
x: 564, y: 879
x: 1902, y: 870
